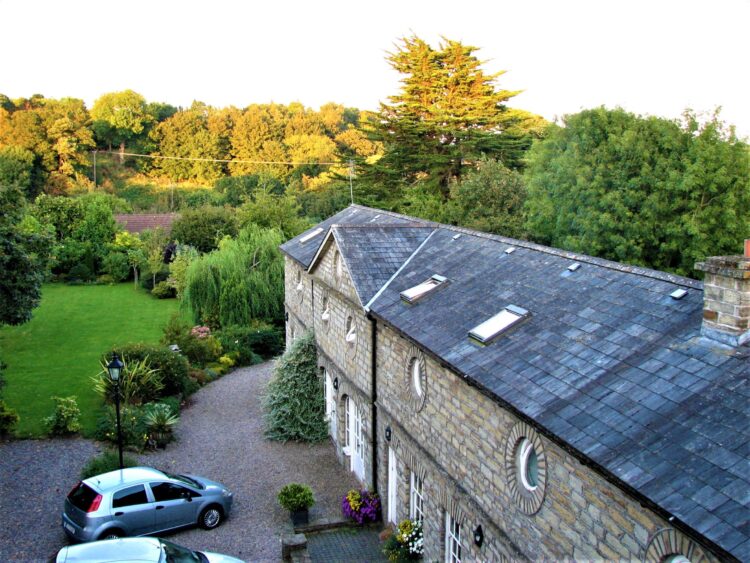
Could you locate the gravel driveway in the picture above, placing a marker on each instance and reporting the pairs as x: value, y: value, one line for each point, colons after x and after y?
x: 220, y: 435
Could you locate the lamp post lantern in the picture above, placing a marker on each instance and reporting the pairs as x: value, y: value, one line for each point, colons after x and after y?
x: 115, y: 368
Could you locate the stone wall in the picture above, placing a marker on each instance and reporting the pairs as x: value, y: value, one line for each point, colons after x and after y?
x: 459, y: 440
x: 307, y: 296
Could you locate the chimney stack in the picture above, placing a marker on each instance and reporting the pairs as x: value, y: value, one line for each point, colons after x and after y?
x: 726, y: 298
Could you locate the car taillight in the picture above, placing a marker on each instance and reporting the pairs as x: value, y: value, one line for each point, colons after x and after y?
x: 95, y: 504
x: 74, y: 489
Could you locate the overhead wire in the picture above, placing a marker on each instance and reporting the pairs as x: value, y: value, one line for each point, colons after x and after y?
x: 222, y: 160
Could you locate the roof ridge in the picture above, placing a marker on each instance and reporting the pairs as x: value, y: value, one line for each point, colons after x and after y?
x: 602, y: 262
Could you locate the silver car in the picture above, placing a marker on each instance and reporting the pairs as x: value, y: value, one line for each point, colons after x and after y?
x: 139, y: 500
x: 143, y: 550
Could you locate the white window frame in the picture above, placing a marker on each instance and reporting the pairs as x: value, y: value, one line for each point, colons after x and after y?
x: 392, y: 486
x: 330, y: 399
x: 525, y: 449
x: 452, y: 540
x: 416, y: 377
x: 326, y: 315
x: 416, y: 498
x: 355, y: 444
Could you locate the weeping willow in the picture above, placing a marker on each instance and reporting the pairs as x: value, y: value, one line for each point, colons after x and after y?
x: 242, y: 280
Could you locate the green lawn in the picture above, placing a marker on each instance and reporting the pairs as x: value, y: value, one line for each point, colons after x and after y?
x: 58, y: 351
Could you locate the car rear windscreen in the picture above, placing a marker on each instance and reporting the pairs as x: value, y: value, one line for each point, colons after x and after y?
x: 82, y: 496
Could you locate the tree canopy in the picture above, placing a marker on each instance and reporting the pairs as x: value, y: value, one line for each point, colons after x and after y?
x: 647, y: 191
x: 447, y: 114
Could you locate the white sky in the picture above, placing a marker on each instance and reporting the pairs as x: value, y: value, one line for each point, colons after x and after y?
x: 654, y: 57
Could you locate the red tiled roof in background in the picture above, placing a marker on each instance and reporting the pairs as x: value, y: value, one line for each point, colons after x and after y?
x: 137, y: 222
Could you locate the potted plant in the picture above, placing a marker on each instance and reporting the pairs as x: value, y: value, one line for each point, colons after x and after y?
x: 362, y: 506
x: 297, y: 499
x: 406, y: 543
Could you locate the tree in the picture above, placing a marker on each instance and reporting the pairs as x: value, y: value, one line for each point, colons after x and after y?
x: 648, y: 191
x: 197, y: 133
x: 23, y: 260
x: 120, y: 117
x: 241, y: 281
x: 447, y: 115
x: 489, y: 198
x: 272, y: 211
x: 16, y: 168
x: 204, y: 227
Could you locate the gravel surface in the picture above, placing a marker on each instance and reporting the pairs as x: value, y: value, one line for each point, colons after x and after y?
x: 35, y: 476
x: 220, y: 436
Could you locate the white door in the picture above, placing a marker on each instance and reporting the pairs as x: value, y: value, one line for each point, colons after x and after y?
x: 392, y: 486
x: 356, y: 438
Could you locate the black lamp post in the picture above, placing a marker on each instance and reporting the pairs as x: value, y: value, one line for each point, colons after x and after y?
x: 114, y: 368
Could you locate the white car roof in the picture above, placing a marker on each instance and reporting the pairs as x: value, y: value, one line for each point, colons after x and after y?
x: 147, y: 550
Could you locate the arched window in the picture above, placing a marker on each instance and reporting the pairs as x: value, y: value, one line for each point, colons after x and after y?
x: 351, y: 331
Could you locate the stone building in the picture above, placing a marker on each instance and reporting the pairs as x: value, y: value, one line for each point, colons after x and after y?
x: 526, y: 402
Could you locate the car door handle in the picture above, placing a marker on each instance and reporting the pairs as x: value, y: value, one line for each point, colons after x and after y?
x: 119, y: 513
x: 159, y: 507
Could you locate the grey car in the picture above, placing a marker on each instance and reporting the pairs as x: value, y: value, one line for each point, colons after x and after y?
x: 142, y: 550
x: 139, y: 500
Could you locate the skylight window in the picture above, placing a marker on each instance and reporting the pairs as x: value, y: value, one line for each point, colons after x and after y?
x: 678, y: 294
x: 494, y: 326
x: 574, y: 266
x: 418, y: 291
x: 510, y: 250
x: 311, y: 235
x: 456, y: 237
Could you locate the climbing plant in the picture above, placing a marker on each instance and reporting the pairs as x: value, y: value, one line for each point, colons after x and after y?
x: 294, y: 404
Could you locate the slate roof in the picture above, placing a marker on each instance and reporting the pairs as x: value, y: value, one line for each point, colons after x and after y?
x: 373, y: 253
x: 608, y: 365
x: 137, y: 222
x: 304, y: 252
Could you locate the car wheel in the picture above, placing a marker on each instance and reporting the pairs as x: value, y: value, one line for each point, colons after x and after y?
x: 210, y: 517
x: 111, y: 535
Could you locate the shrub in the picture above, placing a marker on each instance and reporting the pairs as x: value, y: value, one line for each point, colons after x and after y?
x: 116, y: 265
x: 105, y: 462
x: 8, y: 419
x: 64, y: 420
x: 139, y: 382
x: 149, y: 279
x: 295, y: 496
x: 200, y: 351
x: 80, y: 272
x: 294, y: 402
x: 163, y: 290
x: 173, y: 403
x: 132, y: 424
x: 160, y: 422
x: 172, y: 367
x: 105, y: 279
x: 362, y: 506
x: 253, y: 343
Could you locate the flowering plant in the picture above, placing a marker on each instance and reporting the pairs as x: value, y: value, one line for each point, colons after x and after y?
x: 362, y: 506
x: 200, y: 332
x: 407, y: 543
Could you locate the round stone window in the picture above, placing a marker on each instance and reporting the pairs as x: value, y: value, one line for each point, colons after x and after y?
x: 416, y: 378
x: 526, y: 467
x: 670, y: 546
